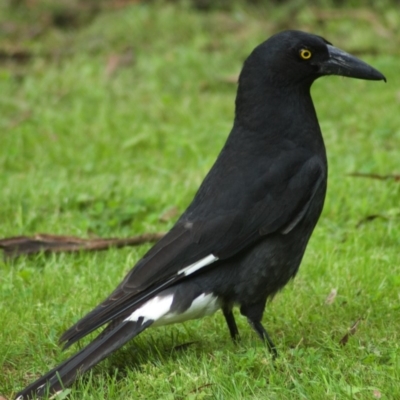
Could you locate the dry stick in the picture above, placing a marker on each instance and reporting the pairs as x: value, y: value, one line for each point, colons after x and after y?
x: 395, y: 177
x: 20, y: 245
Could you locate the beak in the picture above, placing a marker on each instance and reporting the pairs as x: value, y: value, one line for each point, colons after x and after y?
x: 344, y: 64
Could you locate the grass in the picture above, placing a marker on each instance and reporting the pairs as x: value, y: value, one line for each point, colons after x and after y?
x: 85, y: 151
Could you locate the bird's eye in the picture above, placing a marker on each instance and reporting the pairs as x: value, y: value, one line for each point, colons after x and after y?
x: 305, y: 54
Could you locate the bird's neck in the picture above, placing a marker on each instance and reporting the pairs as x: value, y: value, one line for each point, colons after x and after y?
x: 273, y: 115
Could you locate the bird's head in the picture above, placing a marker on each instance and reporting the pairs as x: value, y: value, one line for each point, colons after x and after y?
x: 295, y: 56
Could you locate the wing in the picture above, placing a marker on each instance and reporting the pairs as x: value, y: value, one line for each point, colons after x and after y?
x: 229, y: 213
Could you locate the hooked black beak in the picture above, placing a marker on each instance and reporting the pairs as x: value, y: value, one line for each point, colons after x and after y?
x: 344, y: 64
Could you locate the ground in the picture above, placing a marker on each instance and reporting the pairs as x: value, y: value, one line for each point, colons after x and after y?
x: 108, y: 124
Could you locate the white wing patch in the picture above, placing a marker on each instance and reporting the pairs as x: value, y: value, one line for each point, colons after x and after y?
x: 157, y: 309
x: 205, y: 304
x: 198, y: 265
x: 153, y: 309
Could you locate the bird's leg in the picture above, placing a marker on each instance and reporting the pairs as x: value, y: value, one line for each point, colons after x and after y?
x: 254, y: 313
x: 230, y: 320
x: 263, y: 334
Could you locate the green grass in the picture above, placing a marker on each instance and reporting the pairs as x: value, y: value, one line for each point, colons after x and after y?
x: 82, y: 153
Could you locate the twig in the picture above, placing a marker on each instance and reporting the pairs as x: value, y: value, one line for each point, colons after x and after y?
x: 20, y: 245
x: 395, y: 177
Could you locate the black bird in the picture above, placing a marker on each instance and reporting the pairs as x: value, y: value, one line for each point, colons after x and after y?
x: 243, y: 236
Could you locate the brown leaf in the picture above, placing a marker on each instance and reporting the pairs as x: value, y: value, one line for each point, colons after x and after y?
x: 352, y: 330
x: 331, y: 296
x: 343, y: 341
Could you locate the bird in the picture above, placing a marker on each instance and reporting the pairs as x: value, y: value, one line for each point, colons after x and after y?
x: 243, y: 236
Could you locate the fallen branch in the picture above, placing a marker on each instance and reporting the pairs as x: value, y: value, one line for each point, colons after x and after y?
x: 25, y: 245
x: 395, y: 177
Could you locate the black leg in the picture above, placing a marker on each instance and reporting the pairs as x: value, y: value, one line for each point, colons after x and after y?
x: 230, y: 320
x: 263, y: 334
x: 254, y: 313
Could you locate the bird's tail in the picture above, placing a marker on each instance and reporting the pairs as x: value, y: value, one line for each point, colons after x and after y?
x: 65, y: 373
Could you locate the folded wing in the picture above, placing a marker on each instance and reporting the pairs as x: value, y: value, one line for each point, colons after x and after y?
x: 274, y: 202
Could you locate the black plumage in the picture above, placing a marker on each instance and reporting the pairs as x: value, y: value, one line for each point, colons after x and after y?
x: 243, y: 236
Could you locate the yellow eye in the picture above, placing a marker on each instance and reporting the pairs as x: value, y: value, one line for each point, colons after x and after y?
x: 305, y: 54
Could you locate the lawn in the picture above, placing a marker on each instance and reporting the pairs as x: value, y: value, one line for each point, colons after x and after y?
x: 108, y: 126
